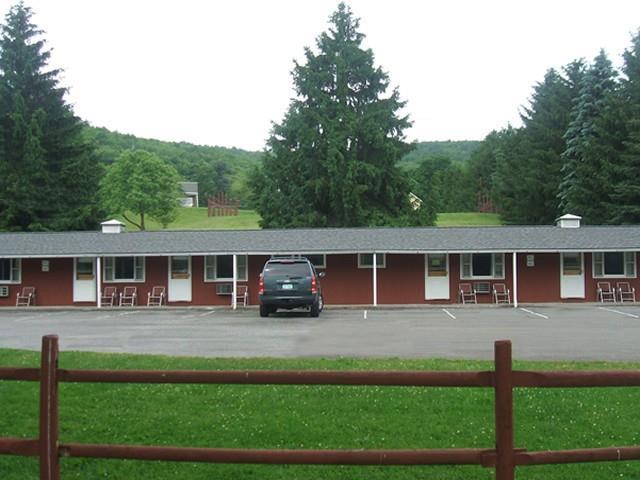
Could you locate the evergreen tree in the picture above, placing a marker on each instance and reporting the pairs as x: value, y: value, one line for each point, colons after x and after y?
x: 48, y: 176
x: 587, y: 171
x: 332, y: 160
x: 626, y: 190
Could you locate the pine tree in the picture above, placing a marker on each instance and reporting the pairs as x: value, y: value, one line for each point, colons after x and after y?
x: 332, y: 160
x: 49, y: 176
x: 587, y: 171
x: 625, y: 206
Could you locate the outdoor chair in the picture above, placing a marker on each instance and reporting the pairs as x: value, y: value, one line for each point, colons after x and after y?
x: 467, y: 293
x: 156, y: 297
x: 109, y: 295
x: 626, y: 293
x: 242, y: 295
x: 129, y: 297
x: 605, y: 292
x: 27, y: 297
x: 501, y: 294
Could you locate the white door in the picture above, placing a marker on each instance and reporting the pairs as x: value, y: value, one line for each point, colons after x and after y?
x: 84, y: 279
x: 571, y: 275
x: 436, y: 276
x: 179, y: 279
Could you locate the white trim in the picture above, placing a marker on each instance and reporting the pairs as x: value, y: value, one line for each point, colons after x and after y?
x: 493, y: 267
x: 374, y: 256
x: 234, y: 288
x: 13, y: 281
x: 216, y: 279
x: 624, y: 266
x: 374, y: 267
x: 98, y: 282
x: 514, y: 261
x: 121, y: 280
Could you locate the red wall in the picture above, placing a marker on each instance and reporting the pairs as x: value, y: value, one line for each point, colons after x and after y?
x: 401, y: 282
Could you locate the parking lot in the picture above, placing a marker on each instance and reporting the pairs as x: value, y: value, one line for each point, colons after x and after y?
x: 545, y: 332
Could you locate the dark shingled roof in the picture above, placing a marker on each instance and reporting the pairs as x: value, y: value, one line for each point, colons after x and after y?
x: 326, y: 240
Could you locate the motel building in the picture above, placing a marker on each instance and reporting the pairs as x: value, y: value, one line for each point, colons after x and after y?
x: 565, y: 262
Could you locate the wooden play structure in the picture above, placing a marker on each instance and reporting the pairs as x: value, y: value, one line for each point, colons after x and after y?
x: 222, y: 206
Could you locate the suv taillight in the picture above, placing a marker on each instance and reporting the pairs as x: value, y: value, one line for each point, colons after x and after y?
x: 314, y: 285
x: 261, y: 286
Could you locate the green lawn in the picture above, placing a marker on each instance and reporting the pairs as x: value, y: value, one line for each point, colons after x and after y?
x: 312, y: 417
x: 468, y: 219
x: 196, y: 218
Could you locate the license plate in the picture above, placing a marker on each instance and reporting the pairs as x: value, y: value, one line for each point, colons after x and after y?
x: 287, y: 286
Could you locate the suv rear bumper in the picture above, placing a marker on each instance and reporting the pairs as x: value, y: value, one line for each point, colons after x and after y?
x: 283, y: 301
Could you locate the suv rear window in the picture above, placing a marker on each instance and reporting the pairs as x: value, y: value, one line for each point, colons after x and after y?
x: 294, y: 269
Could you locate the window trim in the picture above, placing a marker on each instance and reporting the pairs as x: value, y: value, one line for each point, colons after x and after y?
x: 243, y: 276
x: 15, y: 265
x: 136, y: 258
x: 362, y: 265
x: 493, y: 275
x: 624, y: 262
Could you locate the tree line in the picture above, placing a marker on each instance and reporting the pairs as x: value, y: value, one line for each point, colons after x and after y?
x: 578, y: 150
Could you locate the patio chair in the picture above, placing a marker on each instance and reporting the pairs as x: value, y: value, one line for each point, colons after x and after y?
x: 242, y: 295
x: 27, y: 297
x: 501, y: 294
x: 108, y: 297
x: 626, y: 293
x: 129, y: 297
x: 467, y: 293
x: 156, y: 297
x: 605, y: 292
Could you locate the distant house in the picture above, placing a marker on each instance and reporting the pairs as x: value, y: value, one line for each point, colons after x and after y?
x: 415, y: 201
x: 190, y: 194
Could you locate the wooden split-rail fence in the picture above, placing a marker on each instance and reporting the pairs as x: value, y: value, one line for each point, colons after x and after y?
x: 504, y: 456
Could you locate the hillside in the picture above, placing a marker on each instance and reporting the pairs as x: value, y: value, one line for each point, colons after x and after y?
x: 457, y: 151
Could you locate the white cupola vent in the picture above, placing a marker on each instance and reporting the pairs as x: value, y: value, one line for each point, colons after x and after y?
x: 112, y: 226
x: 568, y: 221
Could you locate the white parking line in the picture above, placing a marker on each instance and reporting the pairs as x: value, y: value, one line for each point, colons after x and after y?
x: 126, y: 313
x: 365, y: 314
x: 206, y: 313
x: 619, y: 312
x: 449, y: 313
x: 534, y: 313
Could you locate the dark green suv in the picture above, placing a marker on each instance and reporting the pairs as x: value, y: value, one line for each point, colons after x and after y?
x: 289, y: 283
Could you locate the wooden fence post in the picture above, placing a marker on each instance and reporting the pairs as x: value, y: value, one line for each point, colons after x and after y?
x: 48, y: 442
x: 505, y: 461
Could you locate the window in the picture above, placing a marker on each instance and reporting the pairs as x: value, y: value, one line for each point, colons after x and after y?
x: 180, y: 267
x: 614, y: 264
x: 220, y: 268
x: 84, y: 268
x: 124, y: 269
x: 365, y: 260
x: 482, y: 265
x: 9, y: 270
x: 572, y: 263
x: 437, y: 263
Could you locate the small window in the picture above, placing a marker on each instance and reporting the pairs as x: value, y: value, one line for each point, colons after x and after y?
x: 84, y: 269
x: 124, y: 269
x: 482, y: 265
x: 220, y: 268
x: 365, y: 260
x: 180, y: 267
x: 437, y: 265
x: 571, y: 263
x: 614, y: 264
x: 10, y: 270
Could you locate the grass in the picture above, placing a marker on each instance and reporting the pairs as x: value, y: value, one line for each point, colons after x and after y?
x: 468, y: 219
x: 312, y: 417
x: 197, y: 219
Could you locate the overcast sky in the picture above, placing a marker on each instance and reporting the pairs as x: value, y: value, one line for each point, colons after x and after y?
x: 218, y: 72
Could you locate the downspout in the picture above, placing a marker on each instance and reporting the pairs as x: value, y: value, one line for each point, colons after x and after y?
x: 98, y: 283
x: 375, y: 280
x: 515, y: 280
x: 234, y: 300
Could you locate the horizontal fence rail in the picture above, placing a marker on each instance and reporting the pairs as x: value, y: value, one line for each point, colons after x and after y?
x: 504, y: 457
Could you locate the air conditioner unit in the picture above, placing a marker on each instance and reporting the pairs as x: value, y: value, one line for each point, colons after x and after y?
x: 482, y: 287
x: 4, y: 291
x: 224, y: 289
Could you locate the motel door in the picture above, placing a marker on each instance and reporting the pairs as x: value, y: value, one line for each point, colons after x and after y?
x: 84, y: 279
x: 571, y: 275
x: 437, y: 276
x: 179, y: 279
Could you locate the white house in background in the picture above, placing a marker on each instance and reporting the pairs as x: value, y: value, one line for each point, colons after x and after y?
x: 190, y: 194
